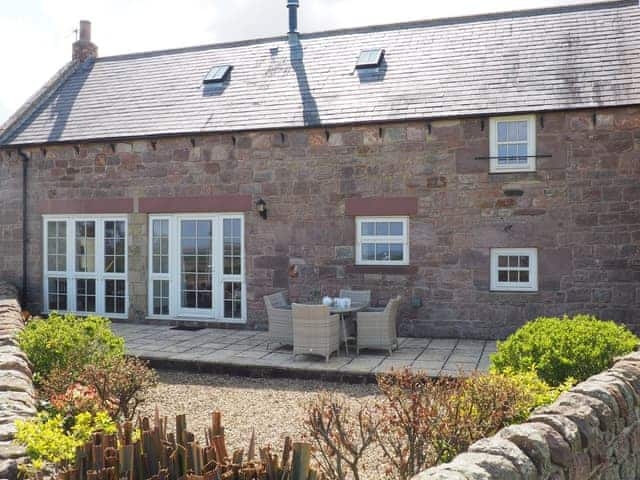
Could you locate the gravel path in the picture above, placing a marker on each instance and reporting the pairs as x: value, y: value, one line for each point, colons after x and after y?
x: 275, y: 407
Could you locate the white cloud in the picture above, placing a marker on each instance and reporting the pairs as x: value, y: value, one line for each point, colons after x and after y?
x: 39, y: 33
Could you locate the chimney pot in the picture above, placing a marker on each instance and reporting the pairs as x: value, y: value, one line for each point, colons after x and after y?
x: 85, y: 31
x: 293, y: 5
x: 84, y: 48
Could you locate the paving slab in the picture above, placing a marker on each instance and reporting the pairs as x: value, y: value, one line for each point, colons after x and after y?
x: 434, y: 356
x: 443, y: 343
x: 407, y: 353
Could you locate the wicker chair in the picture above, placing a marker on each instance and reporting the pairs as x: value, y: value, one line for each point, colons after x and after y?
x: 378, y: 329
x: 359, y: 297
x: 280, y: 319
x: 315, y: 331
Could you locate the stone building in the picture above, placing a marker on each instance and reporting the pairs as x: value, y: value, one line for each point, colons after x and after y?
x: 485, y: 168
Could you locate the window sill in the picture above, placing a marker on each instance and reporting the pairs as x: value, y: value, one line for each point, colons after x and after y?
x: 502, y: 172
x: 383, y: 269
x: 512, y: 291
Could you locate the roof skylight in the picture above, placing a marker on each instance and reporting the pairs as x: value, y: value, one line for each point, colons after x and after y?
x: 217, y: 74
x: 370, y: 58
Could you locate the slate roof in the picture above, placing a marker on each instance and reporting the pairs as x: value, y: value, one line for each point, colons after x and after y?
x: 548, y: 59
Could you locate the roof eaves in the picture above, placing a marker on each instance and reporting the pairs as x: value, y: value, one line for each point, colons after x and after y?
x: 16, y: 120
x: 336, y: 124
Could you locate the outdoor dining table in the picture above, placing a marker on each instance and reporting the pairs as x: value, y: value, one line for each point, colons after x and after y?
x: 343, y: 312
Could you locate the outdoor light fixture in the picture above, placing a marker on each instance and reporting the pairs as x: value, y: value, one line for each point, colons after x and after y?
x: 261, y: 206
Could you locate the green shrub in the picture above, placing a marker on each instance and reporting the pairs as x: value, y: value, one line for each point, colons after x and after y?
x: 559, y: 349
x: 537, y: 392
x: 68, y: 342
x: 48, y: 441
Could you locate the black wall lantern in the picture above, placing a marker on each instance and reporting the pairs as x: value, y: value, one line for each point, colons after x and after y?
x: 261, y: 206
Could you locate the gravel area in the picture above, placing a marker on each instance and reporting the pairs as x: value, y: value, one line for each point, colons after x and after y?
x: 275, y: 407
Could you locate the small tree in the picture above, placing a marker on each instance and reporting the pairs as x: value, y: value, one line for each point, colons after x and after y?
x: 120, y: 383
x: 427, y: 421
x: 340, y: 435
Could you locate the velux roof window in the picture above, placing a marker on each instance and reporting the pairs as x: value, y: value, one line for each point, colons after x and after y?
x: 217, y: 74
x: 370, y: 58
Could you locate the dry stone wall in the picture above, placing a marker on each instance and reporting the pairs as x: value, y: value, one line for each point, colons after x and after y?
x: 591, y: 432
x: 17, y: 395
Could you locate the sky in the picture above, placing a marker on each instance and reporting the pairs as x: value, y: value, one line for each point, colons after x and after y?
x: 36, y: 35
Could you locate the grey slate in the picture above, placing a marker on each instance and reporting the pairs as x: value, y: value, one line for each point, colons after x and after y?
x: 560, y: 58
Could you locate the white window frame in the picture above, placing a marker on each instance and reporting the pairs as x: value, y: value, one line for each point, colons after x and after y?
x: 531, y: 286
x: 71, y: 275
x: 219, y: 277
x: 404, y: 239
x: 531, y: 141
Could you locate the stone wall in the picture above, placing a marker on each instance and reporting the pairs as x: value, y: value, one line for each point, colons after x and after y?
x: 581, y: 209
x: 17, y: 396
x: 591, y: 432
x: 11, y: 218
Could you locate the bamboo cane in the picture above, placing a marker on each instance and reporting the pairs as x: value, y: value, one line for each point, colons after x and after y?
x: 300, y: 462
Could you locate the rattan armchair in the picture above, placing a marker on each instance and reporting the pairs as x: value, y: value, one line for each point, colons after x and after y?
x: 315, y: 331
x: 280, y: 319
x: 358, y: 297
x: 378, y: 329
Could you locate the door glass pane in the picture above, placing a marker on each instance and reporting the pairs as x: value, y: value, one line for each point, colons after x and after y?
x: 86, y: 295
x: 114, y: 296
x: 160, y: 246
x: 161, y: 297
x: 196, y: 262
x: 232, y: 239
x: 232, y: 300
x: 85, y: 246
x: 57, y: 246
x: 114, y: 246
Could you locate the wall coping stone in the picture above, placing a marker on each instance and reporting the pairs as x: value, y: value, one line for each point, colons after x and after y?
x: 590, y: 432
x: 17, y: 394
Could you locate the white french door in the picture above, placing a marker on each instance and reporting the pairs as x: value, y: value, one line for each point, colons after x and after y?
x: 196, y: 265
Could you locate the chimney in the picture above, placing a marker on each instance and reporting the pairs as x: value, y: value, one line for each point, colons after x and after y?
x: 84, y: 48
x: 293, y: 5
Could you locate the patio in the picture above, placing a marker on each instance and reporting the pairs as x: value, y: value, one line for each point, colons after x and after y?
x: 245, y: 352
